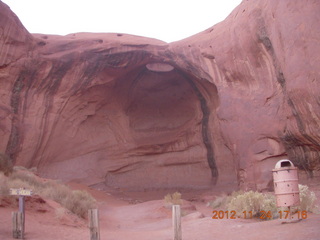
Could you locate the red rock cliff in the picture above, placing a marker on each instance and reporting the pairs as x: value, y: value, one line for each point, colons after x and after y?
x: 223, y: 105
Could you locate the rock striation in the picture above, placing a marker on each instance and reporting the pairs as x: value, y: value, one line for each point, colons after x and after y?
x: 222, y: 106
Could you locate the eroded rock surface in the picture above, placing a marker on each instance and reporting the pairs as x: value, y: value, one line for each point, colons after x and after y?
x: 223, y: 105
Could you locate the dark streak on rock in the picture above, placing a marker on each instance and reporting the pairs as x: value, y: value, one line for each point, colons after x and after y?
x: 303, y: 150
x: 41, y: 43
x: 14, y: 141
x: 52, y: 82
x: 205, y: 128
x: 301, y: 126
x: 50, y: 85
x: 266, y: 42
x: 296, y: 115
x: 302, y: 154
x: 15, y: 138
x: 281, y: 79
x: 98, y: 61
x: 136, y: 45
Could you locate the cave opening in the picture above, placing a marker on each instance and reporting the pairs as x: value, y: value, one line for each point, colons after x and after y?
x: 141, y: 124
x: 169, y: 124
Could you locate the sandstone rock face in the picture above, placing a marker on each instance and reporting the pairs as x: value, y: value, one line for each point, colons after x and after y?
x: 221, y: 106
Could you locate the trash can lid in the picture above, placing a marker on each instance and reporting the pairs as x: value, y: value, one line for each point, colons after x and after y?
x: 285, y: 163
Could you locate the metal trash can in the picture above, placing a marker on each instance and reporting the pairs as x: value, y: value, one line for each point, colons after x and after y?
x: 286, y: 187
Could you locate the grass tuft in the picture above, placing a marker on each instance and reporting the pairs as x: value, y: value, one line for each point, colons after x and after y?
x: 173, y: 199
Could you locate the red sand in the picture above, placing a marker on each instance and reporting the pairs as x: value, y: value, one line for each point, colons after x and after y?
x: 128, y: 216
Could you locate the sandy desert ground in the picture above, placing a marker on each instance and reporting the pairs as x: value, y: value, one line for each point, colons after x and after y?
x: 144, y: 216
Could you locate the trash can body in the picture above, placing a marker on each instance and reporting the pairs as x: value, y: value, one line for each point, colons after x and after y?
x: 286, y: 187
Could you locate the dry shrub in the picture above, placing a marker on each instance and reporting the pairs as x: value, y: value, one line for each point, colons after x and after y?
x: 307, y: 199
x: 173, y: 199
x: 32, y: 170
x: 257, y: 202
x: 253, y: 202
x: 78, y: 202
x: 56, y: 191
x: 25, y: 179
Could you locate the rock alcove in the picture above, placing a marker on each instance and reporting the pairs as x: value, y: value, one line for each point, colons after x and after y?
x: 134, y: 112
x: 168, y: 121
x: 128, y: 115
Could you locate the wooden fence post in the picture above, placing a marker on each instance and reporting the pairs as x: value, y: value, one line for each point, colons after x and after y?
x: 93, y: 216
x: 18, y: 225
x: 176, y: 222
x: 22, y: 210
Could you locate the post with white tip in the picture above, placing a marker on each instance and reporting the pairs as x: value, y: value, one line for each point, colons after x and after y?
x: 18, y: 218
x: 176, y: 221
x: 93, y: 216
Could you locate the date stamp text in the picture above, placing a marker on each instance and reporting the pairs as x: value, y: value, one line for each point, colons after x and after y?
x: 261, y: 214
